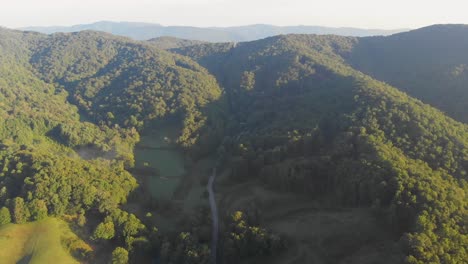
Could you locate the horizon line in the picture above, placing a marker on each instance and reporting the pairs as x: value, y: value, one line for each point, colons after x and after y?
x: 230, y: 26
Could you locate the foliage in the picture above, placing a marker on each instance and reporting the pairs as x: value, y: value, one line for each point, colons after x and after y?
x: 185, y: 249
x: 428, y: 63
x: 119, y: 256
x: 312, y: 124
x: 120, y: 82
x: 5, y: 216
x: 104, y: 230
x: 246, y: 240
x: 20, y: 211
x: 172, y: 42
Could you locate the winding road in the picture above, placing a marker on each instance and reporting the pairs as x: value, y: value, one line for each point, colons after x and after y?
x: 214, y: 216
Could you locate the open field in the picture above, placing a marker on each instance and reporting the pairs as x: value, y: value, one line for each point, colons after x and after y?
x: 38, y: 242
x: 175, y: 183
x: 163, y: 164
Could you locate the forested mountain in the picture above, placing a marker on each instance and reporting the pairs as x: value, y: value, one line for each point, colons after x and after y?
x: 118, y: 81
x: 40, y: 146
x: 166, y: 43
x: 145, y: 31
x: 71, y: 108
x: 295, y: 115
x: 429, y: 63
x: 306, y: 121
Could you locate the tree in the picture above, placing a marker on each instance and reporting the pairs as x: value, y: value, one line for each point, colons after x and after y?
x: 119, y: 256
x: 81, y: 219
x: 38, y: 209
x: 247, y: 80
x: 3, y: 194
x: 20, y: 211
x: 104, y: 230
x: 5, y: 217
x: 131, y: 226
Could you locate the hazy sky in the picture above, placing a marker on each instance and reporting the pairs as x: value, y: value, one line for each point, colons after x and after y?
x: 352, y: 13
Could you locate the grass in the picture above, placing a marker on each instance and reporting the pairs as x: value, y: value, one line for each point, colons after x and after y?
x: 155, y: 152
x: 39, y: 242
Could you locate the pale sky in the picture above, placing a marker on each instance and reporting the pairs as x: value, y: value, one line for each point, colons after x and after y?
x: 334, y: 13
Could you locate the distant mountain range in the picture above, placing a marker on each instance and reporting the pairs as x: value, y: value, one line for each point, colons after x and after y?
x: 145, y: 31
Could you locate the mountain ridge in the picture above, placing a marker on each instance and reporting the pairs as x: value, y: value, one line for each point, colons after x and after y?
x: 145, y: 31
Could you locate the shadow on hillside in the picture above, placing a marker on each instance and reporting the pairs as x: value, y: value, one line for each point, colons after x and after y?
x: 26, y: 259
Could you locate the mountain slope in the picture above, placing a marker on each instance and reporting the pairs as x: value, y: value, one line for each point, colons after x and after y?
x: 305, y: 121
x: 119, y: 81
x: 428, y: 63
x: 145, y: 31
x: 172, y: 43
x: 70, y: 161
x: 41, y: 140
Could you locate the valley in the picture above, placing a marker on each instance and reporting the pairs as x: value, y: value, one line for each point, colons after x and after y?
x: 296, y: 148
x: 157, y: 159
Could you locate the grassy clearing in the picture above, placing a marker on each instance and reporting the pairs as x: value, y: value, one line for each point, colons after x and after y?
x: 40, y: 242
x: 155, y: 153
x: 193, y: 190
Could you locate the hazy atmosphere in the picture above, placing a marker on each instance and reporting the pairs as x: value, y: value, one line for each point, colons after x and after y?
x: 334, y: 13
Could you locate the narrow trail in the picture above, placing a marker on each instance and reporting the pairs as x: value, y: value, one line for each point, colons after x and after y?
x: 214, y: 216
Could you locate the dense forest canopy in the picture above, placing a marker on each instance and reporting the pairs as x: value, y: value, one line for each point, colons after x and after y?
x: 72, y: 107
x: 306, y: 121
x: 429, y: 64
x: 166, y: 43
x: 325, y: 117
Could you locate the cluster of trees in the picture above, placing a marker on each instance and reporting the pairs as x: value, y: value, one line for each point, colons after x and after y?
x: 243, y: 239
x: 185, y: 248
x: 240, y: 238
x: 122, y: 227
x: 65, y: 184
x: 191, y: 244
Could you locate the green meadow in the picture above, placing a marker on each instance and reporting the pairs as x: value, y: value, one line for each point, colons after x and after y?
x: 164, y: 164
x: 40, y: 242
